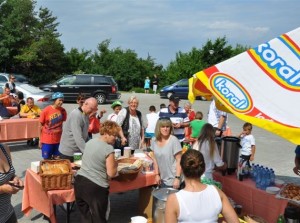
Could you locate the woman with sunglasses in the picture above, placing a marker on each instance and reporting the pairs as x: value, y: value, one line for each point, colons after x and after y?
x: 167, y: 154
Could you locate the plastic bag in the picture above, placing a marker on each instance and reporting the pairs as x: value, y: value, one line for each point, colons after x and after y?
x: 94, y: 125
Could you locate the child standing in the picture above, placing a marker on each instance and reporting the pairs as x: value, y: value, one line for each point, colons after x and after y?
x: 196, y: 125
x: 116, y: 106
x: 248, y: 145
x: 152, y: 118
x: 147, y: 85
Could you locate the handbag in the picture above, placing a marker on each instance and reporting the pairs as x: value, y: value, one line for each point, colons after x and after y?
x: 94, y: 125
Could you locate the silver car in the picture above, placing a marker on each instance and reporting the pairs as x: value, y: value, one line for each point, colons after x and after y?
x: 41, y: 98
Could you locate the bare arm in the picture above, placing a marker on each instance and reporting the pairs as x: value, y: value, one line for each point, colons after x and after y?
x: 253, y: 148
x: 227, y: 210
x: 111, y: 165
x: 172, y: 209
x: 296, y: 169
x: 221, y: 122
x: 176, y: 183
x: 156, y: 170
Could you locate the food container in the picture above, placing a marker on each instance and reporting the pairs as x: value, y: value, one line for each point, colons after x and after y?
x: 159, y: 203
x: 290, y: 192
x: 35, y: 166
x: 272, y: 190
x: 279, y: 183
x: 139, y: 219
x: 147, y: 166
x: 55, y: 181
x: 230, y: 150
x: 127, y: 174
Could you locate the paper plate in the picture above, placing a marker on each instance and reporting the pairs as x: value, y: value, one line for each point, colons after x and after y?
x: 272, y: 190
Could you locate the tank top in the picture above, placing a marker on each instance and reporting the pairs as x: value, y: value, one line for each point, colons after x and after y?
x: 203, y: 206
x: 6, y: 209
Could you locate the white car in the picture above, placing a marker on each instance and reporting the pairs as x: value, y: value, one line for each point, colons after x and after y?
x: 41, y: 98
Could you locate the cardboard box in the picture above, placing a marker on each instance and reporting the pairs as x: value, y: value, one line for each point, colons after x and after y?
x: 35, y: 166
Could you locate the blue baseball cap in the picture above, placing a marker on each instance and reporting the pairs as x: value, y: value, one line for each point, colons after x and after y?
x: 57, y: 95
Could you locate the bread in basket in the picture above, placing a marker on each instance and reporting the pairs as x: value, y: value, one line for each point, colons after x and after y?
x: 56, y: 174
x: 128, y: 169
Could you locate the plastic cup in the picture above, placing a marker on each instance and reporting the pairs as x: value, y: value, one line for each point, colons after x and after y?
x: 241, y: 177
x: 117, y: 153
x: 127, y: 151
x: 238, y: 209
x: 77, y: 156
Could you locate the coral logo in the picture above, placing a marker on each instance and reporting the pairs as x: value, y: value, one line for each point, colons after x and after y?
x: 232, y: 93
x: 276, y: 66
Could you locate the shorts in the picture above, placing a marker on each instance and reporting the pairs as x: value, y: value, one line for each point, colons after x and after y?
x: 154, y: 87
x: 49, y: 150
x: 149, y: 135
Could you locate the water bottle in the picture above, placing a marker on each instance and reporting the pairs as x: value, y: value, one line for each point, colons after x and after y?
x: 272, y: 176
x: 263, y: 181
x: 258, y: 177
x: 268, y: 177
x: 251, y: 170
x: 255, y: 171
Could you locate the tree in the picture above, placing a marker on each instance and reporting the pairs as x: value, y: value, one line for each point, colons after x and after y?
x: 187, y: 64
x: 16, y: 26
x: 79, y: 62
x: 128, y: 70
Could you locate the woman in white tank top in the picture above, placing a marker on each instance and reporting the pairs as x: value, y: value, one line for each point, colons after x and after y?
x: 197, y: 202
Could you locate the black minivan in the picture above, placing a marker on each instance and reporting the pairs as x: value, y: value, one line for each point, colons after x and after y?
x: 103, y: 88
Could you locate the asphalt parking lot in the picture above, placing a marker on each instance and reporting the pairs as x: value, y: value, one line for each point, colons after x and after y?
x: 271, y: 150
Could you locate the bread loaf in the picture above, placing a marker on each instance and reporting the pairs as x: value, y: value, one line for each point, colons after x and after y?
x: 137, y: 163
x: 55, y: 168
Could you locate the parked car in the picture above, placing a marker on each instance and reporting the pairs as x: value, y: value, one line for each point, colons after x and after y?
x: 4, y: 77
x: 179, y: 89
x: 41, y: 98
x: 103, y: 88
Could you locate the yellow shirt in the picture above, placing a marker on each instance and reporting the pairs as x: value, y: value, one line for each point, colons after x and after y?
x: 33, y: 112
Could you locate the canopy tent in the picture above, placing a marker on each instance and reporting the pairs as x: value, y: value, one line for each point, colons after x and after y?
x: 260, y: 86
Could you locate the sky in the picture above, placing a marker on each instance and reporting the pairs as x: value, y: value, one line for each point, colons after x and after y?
x: 161, y: 28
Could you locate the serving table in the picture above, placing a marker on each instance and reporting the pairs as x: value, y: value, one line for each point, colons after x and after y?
x: 43, y: 201
x: 253, y: 200
x: 19, y: 129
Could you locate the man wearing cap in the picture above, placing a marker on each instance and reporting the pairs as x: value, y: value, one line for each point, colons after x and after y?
x: 177, y: 115
x: 11, y: 84
x: 75, y: 131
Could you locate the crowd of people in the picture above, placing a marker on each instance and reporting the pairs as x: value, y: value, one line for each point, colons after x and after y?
x: 64, y: 134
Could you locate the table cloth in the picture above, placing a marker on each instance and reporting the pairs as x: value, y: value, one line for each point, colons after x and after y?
x: 43, y: 201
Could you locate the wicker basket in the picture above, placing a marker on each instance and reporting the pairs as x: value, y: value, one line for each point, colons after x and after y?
x: 127, y: 175
x: 61, y: 181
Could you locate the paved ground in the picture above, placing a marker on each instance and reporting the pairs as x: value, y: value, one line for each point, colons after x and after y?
x: 272, y: 151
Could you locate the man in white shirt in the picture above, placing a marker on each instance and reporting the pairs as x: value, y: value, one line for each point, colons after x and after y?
x: 217, y: 118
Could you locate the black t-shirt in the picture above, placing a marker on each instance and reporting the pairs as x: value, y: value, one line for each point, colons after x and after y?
x: 155, y: 81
